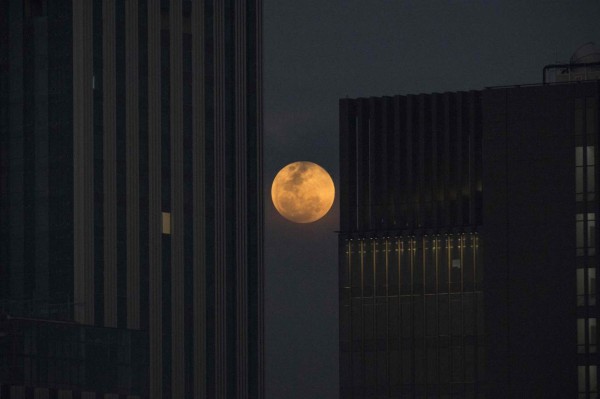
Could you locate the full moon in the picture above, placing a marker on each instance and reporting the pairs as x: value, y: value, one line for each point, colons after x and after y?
x: 302, y: 192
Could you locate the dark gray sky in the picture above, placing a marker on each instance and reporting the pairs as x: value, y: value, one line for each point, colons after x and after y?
x: 317, y: 51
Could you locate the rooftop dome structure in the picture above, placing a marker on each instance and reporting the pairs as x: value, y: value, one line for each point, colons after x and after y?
x: 584, y: 64
x: 586, y: 53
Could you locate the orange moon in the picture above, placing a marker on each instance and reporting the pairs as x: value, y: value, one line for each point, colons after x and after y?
x: 303, y: 192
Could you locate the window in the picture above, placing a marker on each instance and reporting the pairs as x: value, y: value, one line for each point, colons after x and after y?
x: 591, y: 236
x: 580, y: 335
x: 585, y: 175
x: 587, y: 335
x: 166, y: 223
x: 580, y: 287
x: 585, y: 233
x: 586, y: 280
x: 592, y: 335
x: 592, y: 286
x: 589, y: 373
x: 579, y: 236
x: 456, y: 263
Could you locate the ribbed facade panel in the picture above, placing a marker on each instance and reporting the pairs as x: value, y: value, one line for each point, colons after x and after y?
x: 83, y: 152
x: 410, y: 278
x: 132, y: 143
x: 109, y: 164
x: 411, y: 318
x: 410, y: 162
x: 164, y: 180
x: 154, y: 202
x: 199, y: 281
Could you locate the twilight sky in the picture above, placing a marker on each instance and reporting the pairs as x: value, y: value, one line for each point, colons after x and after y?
x: 317, y: 51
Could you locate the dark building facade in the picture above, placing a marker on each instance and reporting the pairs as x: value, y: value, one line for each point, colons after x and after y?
x: 131, y: 198
x: 410, y: 271
x: 467, y: 244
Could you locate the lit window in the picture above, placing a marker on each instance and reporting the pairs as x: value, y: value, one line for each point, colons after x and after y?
x: 578, y: 156
x: 166, y: 223
x: 456, y: 263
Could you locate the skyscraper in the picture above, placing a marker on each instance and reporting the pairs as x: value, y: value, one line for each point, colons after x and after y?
x: 131, y: 198
x: 410, y: 270
x: 467, y: 243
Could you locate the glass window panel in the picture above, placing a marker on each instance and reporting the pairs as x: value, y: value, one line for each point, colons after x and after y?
x: 580, y: 282
x: 591, y: 180
x: 432, y: 363
x: 430, y: 265
x: 368, y: 265
x: 580, y: 287
x: 578, y: 156
x: 393, y: 275
x: 405, y: 268
x: 457, y: 372
x: 580, y: 331
x: 593, y: 378
x: 381, y: 320
x: 581, y: 378
x: 419, y: 316
x: 356, y: 268
x: 579, y: 234
x: 356, y: 320
x: 590, y: 156
x: 406, y: 316
x: 592, y: 331
x: 592, y: 281
x: 418, y: 278
x: 469, y: 314
x: 407, y: 367
x: 369, y: 321
x: 591, y: 233
x: 443, y: 314
x: 393, y: 319
x: 381, y: 268
x: 456, y: 316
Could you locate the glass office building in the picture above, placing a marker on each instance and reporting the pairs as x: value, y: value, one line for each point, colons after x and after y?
x: 411, y: 319
x: 131, y: 193
x: 467, y: 262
